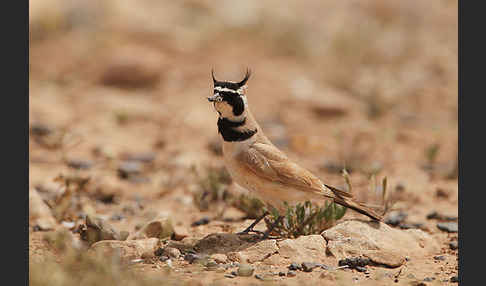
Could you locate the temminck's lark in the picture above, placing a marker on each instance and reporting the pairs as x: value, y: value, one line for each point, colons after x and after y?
x: 257, y: 165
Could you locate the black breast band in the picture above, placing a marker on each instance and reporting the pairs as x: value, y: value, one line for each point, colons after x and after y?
x: 228, y: 130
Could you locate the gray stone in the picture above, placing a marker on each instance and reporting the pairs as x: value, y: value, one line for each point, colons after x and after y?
x: 448, y: 226
x: 309, y: 266
x: 453, y: 245
x: 295, y: 266
x: 191, y: 257
x: 395, y: 218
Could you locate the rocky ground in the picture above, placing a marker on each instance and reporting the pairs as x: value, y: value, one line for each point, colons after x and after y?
x: 123, y: 144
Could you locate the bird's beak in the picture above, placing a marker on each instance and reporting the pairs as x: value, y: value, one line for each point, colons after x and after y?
x: 213, y: 98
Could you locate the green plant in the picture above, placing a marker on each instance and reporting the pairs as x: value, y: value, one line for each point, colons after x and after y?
x: 431, y: 153
x: 305, y: 219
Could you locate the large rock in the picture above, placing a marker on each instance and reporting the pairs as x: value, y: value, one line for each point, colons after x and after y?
x: 40, y: 214
x: 256, y: 252
x: 310, y: 248
x: 126, y: 250
x: 378, y: 241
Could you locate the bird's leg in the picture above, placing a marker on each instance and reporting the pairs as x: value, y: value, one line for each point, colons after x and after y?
x: 250, y: 228
x: 272, y: 226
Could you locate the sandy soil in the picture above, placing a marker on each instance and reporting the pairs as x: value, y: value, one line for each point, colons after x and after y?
x: 368, y: 84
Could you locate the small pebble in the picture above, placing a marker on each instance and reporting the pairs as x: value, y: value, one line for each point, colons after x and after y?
x: 211, y: 265
x: 79, y: 164
x: 455, y: 279
x: 138, y: 179
x: 229, y: 276
x: 295, y: 266
x: 163, y: 258
x: 259, y: 277
x: 441, y: 193
x: 325, y: 267
x: 141, y: 157
x: 68, y: 224
x: 281, y: 273
x: 440, y: 257
x: 245, y: 270
x: 134, y: 261
x: 436, y: 215
x: 191, y: 257
x: 159, y: 251
x: 410, y: 225
x: 354, y: 262
x: 361, y: 268
x: 308, y: 266
x: 395, y: 218
x: 172, y: 252
x: 39, y: 129
x: 429, y: 279
x: 203, y: 221
x: 448, y: 226
x: 117, y: 217
x: 128, y: 169
x: 291, y: 274
x: 453, y: 245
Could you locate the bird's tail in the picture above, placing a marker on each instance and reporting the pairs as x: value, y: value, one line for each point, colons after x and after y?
x: 357, y: 206
x: 346, y: 199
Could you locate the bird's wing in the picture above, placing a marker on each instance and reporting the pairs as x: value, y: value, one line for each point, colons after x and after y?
x: 267, y: 162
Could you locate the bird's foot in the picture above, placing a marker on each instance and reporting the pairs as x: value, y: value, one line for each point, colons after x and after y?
x: 250, y: 228
x: 266, y: 234
x: 246, y: 231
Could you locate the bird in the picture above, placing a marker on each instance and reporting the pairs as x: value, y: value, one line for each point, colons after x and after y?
x: 257, y: 165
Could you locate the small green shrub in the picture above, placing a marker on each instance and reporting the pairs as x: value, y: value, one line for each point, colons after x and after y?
x: 305, y: 219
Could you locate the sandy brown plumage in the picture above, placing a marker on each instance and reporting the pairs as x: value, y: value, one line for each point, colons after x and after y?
x: 259, y: 166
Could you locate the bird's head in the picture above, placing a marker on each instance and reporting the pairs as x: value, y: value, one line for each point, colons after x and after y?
x: 229, y: 98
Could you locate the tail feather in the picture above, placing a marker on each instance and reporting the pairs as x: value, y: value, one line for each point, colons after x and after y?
x: 339, y: 192
x: 359, y: 207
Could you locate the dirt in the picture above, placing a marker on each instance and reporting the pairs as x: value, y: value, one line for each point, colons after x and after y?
x: 371, y: 85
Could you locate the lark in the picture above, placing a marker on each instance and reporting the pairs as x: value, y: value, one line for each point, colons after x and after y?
x: 257, y: 165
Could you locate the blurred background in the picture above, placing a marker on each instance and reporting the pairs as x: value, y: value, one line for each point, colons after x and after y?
x: 118, y: 95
